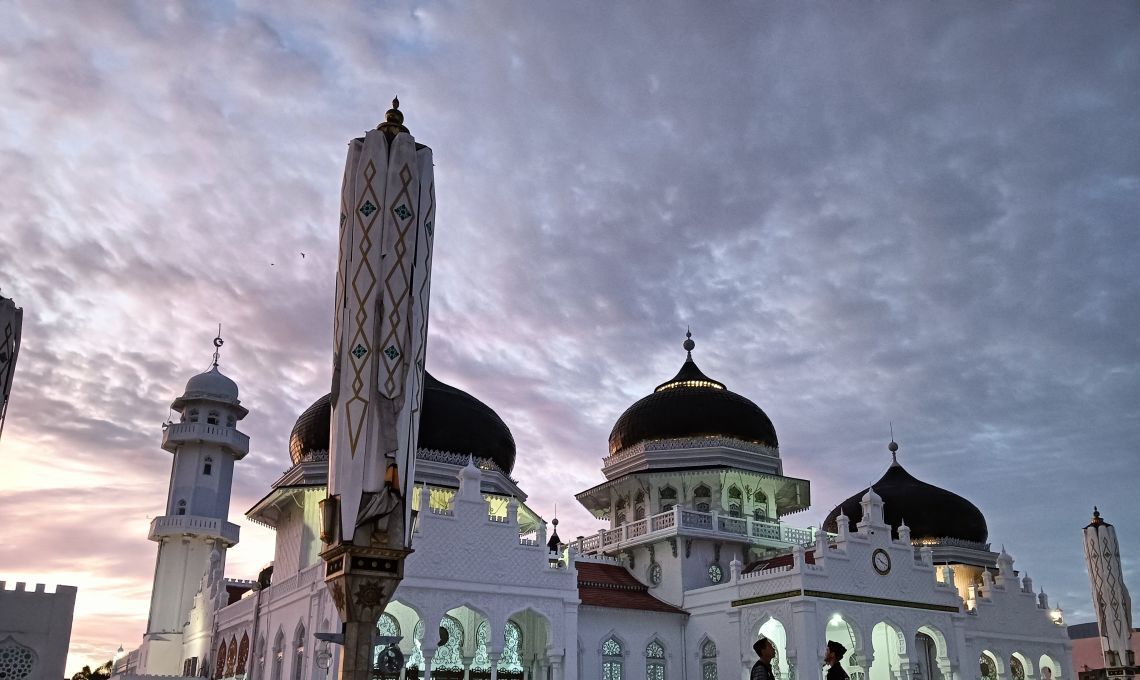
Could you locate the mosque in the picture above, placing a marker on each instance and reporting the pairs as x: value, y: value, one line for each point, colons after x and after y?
x: 692, y: 561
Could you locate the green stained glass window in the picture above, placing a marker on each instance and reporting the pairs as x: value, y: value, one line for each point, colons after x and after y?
x: 611, y: 647
x: 448, y: 657
x: 1016, y: 669
x: 708, y: 670
x: 510, y: 662
x: 481, y: 662
x: 416, y: 659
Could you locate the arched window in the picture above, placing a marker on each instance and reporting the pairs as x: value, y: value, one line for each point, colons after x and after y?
x: 242, y: 656
x: 386, y: 626
x: 220, y: 666
x: 708, y: 660
x: 761, y: 500
x: 619, y: 512
x: 734, y: 501
x: 416, y: 658
x: 299, y: 652
x: 208, y: 466
x: 482, y: 662
x: 450, y: 656
x: 702, y: 497
x: 639, y: 506
x: 654, y: 661
x: 193, y: 415
x: 511, y: 661
x: 231, y: 657
x: 611, y: 660
x: 668, y: 498
x: 259, y: 665
x: 212, y: 418
x: 1016, y: 668
x: 988, y: 669
x: 181, y: 507
x: 278, y: 655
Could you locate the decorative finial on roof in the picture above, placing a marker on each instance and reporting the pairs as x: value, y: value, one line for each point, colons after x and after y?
x: 893, y: 447
x: 393, y: 119
x: 218, y: 342
x: 689, y: 344
x: 1096, y: 520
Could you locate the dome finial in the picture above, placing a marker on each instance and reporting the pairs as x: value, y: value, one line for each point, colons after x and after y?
x: 893, y: 447
x: 218, y: 342
x: 689, y: 344
x: 393, y: 119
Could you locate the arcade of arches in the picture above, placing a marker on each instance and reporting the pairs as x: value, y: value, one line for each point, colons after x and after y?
x: 463, y: 645
x: 893, y: 655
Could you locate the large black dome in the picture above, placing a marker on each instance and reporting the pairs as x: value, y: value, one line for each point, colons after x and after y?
x: 931, y: 513
x: 692, y: 405
x: 452, y: 421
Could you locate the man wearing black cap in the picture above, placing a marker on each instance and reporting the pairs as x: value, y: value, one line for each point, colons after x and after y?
x: 762, y: 669
x: 832, y: 656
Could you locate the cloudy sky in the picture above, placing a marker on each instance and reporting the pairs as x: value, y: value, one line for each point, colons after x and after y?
x: 914, y: 213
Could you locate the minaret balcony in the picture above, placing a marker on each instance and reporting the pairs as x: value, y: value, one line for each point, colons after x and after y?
x: 694, y: 524
x: 177, y: 434
x: 172, y: 526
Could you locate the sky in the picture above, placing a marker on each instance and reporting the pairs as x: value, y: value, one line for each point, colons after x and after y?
x: 868, y: 213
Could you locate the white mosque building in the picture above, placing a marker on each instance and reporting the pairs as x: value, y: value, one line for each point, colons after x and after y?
x: 691, y: 563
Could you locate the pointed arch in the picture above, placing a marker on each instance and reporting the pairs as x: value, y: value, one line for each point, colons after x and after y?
x: 612, y: 651
x: 242, y: 655
x: 1026, y: 671
x: 655, y: 659
x: 231, y: 657
x: 278, y: 663
x: 707, y: 652
x: 299, y: 651
x: 220, y: 665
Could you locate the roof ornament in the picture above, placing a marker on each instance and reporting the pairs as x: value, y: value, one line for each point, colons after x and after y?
x: 689, y: 344
x: 1096, y: 520
x: 218, y: 342
x: 893, y: 447
x: 393, y: 119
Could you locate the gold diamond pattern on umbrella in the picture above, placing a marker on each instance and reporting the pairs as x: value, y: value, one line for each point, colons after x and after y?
x: 397, y: 285
x: 363, y: 288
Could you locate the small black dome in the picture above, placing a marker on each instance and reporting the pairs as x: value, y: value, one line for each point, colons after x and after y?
x: 692, y: 405
x: 311, y: 431
x: 931, y: 513
x: 452, y: 421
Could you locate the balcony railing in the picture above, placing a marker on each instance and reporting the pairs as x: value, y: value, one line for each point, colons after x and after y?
x: 229, y: 437
x: 685, y: 521
x: 178, y: 525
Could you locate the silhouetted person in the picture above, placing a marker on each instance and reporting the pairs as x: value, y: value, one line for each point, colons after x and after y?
x: 832, y: 656
x: 762, y: 669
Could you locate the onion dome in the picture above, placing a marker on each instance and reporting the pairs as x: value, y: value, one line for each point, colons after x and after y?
x: 692, y: 404
x: 932, y: 513
x: 451, y: 420
x: 211, y: 385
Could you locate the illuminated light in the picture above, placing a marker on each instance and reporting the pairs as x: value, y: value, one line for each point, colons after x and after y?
x: 1057, y: 616
x: 692, y: 383
x: 836, y: 619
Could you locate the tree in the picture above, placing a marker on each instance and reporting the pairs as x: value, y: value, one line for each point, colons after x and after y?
x: 101, y: 673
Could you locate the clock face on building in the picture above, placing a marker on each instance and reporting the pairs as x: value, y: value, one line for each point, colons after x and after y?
x: 716, y: 574
x: 655, y: 573
x: 881, y: 561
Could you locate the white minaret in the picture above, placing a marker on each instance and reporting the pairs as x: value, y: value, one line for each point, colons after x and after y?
x: 1110, y: 596
x: 205, y: 443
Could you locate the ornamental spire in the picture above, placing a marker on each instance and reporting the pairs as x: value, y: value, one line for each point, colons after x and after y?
x: 393, y: 119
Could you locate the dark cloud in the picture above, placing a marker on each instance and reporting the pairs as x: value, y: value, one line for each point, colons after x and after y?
x: 918, y: 214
